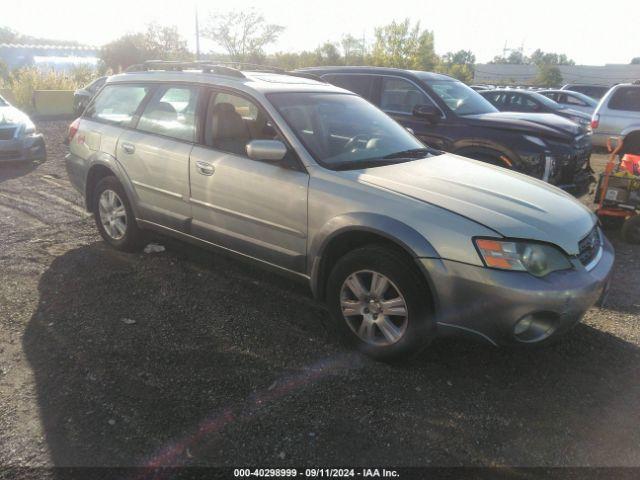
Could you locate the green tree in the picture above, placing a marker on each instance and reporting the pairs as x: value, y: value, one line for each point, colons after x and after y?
x: 125, y: 51
x: 516, y: 57
x: 164, y: 42
x: 460, y: 65
x: 353, y: 50
x: 158, y: 42
x: 403, y: 45
x: 243, y: 34
x: 8, y: 35
x: 548, y: 58
x: 548, y: 76
x: 328, y: 54
x: 4, y: 71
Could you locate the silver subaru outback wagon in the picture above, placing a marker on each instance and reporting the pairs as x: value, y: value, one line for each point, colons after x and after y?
x: 401, y: 241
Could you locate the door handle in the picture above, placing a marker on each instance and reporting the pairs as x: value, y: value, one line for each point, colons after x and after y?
x: 205, y: 168
x: 128, y: 148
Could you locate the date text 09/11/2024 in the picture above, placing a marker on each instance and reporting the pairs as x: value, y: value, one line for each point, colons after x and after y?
x: 316, y: 473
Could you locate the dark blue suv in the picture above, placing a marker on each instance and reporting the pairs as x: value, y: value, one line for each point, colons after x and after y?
x: 448, y: 115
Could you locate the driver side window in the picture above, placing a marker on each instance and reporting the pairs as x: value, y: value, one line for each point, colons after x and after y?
x: 401, y: 96
x: 233, y: 121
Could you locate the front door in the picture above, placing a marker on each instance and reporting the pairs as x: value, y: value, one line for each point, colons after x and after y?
x: 252, y: 207
x: 399, y: 96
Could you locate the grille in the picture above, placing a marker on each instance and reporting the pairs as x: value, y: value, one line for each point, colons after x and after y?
x: 572, y: 165
x: 7, y: 133
x: 589, y: 247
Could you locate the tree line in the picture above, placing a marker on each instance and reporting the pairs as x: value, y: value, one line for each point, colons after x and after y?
x: 243, y: 36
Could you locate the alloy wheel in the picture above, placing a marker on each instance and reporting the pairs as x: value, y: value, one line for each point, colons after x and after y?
x: 113, y: 214
x: 374, y: 308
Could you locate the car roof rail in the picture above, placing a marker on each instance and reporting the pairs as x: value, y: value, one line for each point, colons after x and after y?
x: 178, y: 66
x: 228, y: 68
x: 271, y: 69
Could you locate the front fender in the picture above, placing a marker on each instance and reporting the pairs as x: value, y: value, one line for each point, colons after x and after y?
x: 389, y: 228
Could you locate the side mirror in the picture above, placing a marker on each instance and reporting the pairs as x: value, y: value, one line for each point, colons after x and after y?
x: 266, y: 150
x: 429, y: 112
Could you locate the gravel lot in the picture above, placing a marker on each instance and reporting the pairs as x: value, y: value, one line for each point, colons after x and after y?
x: 191, y: 358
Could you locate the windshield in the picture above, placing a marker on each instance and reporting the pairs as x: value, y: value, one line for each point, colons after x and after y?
x: 460, y: 98
x: 546, y: 101
x: 345, y: 132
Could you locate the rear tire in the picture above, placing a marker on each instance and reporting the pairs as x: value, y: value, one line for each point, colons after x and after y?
x: 391, y: 317
x: 114, y: 216
x: 631, y: 230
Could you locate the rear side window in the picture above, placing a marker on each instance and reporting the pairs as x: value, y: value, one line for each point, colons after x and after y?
x: 360, y: 84
x: 117, y: 104
x: 626, y: 98
x: 171, y: 112
x: 571, y: 100
x: 401, y: 96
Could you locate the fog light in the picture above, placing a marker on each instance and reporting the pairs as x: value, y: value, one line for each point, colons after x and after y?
x: 523, y: 325
x: 535, y: 327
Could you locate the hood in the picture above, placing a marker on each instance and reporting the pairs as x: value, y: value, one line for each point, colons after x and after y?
x: 11, y: 116
x: 512, y: 204
x: 539, y: 124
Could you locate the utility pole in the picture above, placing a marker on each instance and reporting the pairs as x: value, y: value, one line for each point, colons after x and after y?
x: 197, y: 36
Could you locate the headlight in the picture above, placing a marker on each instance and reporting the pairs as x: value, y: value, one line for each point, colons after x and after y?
x: 29, y: 128
x: 536, y: 258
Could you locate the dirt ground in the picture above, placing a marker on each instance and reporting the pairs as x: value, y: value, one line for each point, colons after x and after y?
x: 191, y: 358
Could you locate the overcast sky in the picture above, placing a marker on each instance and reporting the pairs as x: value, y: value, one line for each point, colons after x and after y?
x: 578, y: 29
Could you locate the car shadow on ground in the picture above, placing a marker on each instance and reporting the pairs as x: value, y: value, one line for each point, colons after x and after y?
x: 11, y: 170
x: 161, y: 360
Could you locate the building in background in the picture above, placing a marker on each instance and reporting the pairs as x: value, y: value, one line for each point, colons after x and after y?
x: 505, y: 74
x: 60, y: 58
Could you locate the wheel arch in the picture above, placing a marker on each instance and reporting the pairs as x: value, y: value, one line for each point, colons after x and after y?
x: 345, y: 233
x: 493, y: 151
x: 101, y: 168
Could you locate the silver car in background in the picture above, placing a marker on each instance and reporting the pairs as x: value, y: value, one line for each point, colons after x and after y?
x: 19, y: 140
x: 402, y: 242
x: 617, y: 114
x: 574, y: 100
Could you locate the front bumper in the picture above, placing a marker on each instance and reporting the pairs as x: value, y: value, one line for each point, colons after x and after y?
x: 25, y: 149
x: 491, y: 302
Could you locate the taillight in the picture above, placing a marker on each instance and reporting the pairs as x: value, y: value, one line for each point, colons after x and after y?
x: 73, y: 129
x: 595, y: 121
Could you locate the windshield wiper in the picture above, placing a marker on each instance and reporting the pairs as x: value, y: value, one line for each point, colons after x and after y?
x: 360, y: 164
x: 412, y: 153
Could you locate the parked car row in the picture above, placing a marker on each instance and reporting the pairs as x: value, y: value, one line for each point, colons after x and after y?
x: 402, y: 241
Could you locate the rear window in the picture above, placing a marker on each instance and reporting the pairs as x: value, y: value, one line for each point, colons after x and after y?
x: 171, y: 112
x: 626, y: 98
x: 117, y: 104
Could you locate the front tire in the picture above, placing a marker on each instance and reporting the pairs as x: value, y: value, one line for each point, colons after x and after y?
x: 380, y: 303
x: 114, y: 217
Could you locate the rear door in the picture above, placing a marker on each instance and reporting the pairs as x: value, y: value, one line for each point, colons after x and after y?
x: 105, y: 119
x: 256, y: 208
x: 623, y: 110
x: 156, y: 155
